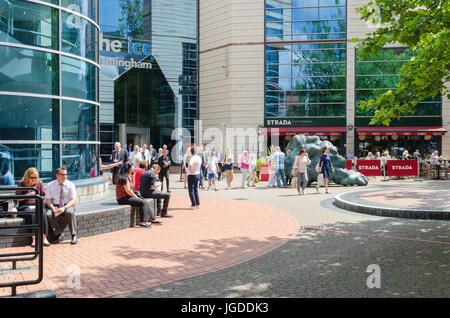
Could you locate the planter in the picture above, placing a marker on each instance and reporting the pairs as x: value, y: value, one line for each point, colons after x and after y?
x: 264, y: 173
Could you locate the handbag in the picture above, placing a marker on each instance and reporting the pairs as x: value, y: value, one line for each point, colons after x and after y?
x: 294, y: 172
x: 318, y: 168
x: 256, y: 179
x: 320, y: 180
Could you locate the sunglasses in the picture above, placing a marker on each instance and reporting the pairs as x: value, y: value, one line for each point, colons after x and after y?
x: 62, y: 174
x: 33, y: 177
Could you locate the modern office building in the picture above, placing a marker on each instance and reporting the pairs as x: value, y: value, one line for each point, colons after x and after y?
x: 148, y: 77
x: 49, y: 102
x: 285, y: 67
x: 77, y: 75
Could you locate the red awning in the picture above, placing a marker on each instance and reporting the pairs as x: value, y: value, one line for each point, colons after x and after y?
x: 308, y: 131
x: 401, y: 131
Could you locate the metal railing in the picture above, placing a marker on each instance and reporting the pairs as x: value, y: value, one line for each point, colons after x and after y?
x: 36, y: 230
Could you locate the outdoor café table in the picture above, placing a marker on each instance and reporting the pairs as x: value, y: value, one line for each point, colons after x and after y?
x: 437, y: 165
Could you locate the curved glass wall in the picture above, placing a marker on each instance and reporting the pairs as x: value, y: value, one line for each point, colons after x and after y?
x: 48, y: 88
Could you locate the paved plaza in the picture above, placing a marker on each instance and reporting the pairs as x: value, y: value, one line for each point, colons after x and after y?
x: 260, y: 242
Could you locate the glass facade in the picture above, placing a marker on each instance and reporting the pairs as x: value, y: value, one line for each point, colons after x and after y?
x: 148, y: 80
x: 379, y: 73
x: 305, y: 62
x: 48, y: 87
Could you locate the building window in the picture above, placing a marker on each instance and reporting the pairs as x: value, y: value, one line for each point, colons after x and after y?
x: 377, y: 74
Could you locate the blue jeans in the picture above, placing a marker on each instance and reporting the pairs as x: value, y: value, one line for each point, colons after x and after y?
x: 280, y: 173
x: 193, y: 189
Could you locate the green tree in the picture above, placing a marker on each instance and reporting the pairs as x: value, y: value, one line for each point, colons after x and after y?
x: 424, y: 26
x: 131, y: 20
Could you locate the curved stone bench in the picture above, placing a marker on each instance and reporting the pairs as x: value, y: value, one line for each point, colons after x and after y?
x: 93, y: 218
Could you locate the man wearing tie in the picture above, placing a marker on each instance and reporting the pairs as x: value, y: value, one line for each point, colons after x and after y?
x: 61, y: 197
x: 118, y: 155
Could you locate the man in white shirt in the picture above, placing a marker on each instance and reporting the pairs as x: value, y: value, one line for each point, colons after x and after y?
x: 193, y: 179
x: 219, y: 156
x: 145, y: 154
x: 135, y: 157
x: 61, y: 197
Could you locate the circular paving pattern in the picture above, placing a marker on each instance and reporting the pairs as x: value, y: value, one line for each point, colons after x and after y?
x: 420, y: 204
x: 221, y: 234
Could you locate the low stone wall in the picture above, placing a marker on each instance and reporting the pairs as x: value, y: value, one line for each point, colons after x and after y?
x: 93, y: 189
x: 92, y: 219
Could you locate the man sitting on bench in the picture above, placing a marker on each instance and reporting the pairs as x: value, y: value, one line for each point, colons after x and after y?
x: 148, y: 189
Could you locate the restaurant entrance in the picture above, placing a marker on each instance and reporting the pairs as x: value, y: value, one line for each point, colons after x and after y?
x: 397, y: 144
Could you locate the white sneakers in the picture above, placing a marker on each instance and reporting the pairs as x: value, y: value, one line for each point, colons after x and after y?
x: 193, y: 207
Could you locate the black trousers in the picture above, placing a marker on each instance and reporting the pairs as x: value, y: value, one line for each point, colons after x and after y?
x: 146, y: 212
x: 164, y: 173
x: 159, y: 196
x: 220, y: 171
x: 193, y: 181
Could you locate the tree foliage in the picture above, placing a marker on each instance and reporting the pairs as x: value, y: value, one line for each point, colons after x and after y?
x: 424, y: 26
x: 131, y: 20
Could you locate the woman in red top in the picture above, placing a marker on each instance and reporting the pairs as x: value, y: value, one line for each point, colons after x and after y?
x: 125, y: 195
x: 138, y: 172
x: 31, y: 179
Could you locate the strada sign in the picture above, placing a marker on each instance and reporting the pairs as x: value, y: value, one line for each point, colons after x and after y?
x: 402, y: 168
x: 369, y: 168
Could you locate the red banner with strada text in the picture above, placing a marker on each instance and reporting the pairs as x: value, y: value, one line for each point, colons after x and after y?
x: 402, y: 168
x: 369, y: 168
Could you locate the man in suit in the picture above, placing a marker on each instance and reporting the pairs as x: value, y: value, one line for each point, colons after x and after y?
x: 117, y: 155
x: 164, y: 162
x: 152, y: 152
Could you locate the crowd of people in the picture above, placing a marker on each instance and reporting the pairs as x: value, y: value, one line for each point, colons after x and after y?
x: 433, y: 156
x: 141, y: 174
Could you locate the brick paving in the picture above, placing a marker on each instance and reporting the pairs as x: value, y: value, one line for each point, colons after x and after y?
x: 330, y: 255
x: 221, y: 234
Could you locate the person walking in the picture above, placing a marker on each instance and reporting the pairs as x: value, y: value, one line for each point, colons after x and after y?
x: 164, y: 162
x: 212, y: 170
x: 186, y: 158
x: 287, y: 173
x: 300, y: 168
x: 251, y: 171
x: 228, y: 167
x: 126, y: 196
x: 278, y: 159
x: 194, y: 168
x: 31, y: 179
x: 324, y: 167
x: 205, y: 158
x: 244, y: 168
x: 272, y: 170
x: 219, y: 156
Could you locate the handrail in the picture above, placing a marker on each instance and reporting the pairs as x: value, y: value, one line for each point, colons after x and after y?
x: 25, y: 256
